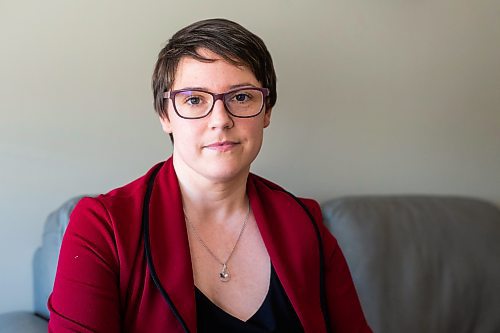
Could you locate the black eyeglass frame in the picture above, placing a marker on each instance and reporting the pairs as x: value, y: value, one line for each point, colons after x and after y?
x: 171, y: 95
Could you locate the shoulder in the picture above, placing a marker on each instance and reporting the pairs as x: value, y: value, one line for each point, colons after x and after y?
x: 278, y: 198
x: 104, y: 210
x: 275, y: 198
x: 123, y: 197
x: 272, y: 191
x: 132, y: 191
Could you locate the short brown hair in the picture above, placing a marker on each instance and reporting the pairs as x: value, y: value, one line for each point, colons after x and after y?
x: 229, y: 40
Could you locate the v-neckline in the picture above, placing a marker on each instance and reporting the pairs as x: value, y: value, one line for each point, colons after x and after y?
x: 265, y: 302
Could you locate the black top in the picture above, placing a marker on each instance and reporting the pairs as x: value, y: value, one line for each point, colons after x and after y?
x: 275, y: 315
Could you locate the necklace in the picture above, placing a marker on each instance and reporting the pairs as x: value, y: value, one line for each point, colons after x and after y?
x: 224, y: 274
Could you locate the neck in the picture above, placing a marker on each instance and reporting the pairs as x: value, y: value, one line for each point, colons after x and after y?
x: 213, y: 200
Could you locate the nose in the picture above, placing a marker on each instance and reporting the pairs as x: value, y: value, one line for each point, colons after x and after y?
x: 219, y: 117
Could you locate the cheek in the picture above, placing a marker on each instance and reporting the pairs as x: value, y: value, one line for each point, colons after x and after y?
x: 255, y: 135
x: 187, y: 135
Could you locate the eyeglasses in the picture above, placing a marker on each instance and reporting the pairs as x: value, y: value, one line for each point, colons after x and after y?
x: 245, y: 102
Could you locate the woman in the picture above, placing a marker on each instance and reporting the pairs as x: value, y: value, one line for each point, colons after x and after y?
x: 199, y: 244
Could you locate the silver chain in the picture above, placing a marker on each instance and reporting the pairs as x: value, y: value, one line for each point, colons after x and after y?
x: 224, y: 275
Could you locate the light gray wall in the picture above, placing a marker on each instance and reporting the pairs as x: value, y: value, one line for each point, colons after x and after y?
x: 375, y: 97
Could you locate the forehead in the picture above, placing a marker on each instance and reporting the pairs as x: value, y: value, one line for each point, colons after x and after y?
x: 215, y: 75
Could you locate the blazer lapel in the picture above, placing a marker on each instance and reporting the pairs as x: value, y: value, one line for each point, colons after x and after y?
x: 290, y: 241
x: 285, y: 228
x: 169, y: 244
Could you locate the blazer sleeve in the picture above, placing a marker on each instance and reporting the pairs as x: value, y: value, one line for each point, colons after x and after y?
x: 85, y: 297
x: 345, y: 310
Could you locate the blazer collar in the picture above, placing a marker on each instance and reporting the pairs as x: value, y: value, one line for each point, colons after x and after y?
x: 290, y: 240
x: 286, y: 231
x: 169, y: 243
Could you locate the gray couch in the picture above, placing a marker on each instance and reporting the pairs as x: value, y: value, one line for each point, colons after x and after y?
x: 419, y: 263
x: 44, y: 270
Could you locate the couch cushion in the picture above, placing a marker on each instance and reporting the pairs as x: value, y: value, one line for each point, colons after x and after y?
x: 422, y: 264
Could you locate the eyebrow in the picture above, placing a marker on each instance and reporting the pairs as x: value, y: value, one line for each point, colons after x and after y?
x: 241, y: 85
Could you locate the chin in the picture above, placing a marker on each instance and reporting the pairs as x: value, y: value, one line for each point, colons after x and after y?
x: 226, y: 173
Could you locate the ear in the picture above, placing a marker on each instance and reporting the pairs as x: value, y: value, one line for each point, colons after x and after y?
x: 267, y: 117
x: 165, y: 124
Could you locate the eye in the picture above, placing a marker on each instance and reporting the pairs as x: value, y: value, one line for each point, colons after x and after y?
x: 193, y: 100
x: 242, y: 97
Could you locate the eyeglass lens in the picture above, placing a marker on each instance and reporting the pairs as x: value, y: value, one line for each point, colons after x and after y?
x: 240, y: 103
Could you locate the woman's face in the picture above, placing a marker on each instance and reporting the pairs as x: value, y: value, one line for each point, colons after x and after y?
x: 219, y: 147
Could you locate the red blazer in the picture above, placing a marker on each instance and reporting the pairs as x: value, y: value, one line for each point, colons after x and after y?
x: 103, y: 283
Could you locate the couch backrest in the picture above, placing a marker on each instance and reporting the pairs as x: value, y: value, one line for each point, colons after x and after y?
x: 46, y: 256
x: 422, y: 264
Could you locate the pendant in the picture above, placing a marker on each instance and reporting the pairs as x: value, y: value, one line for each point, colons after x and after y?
x: 224, y: 274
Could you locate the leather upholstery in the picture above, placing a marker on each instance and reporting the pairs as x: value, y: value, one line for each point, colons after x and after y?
x: 421, y: 263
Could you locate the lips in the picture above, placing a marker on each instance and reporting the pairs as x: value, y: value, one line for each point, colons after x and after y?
x: 222, y: 145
